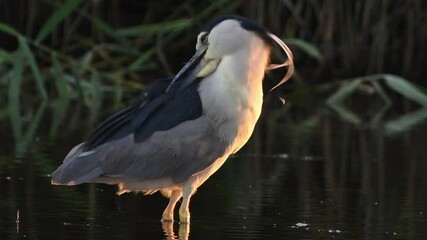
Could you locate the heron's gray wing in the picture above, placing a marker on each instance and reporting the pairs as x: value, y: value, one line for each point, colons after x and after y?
x: 174, y: 109
x: 153, y: 111
x: 160, y: 113
x: 177, y: 153
x: 119, y: 124
x: 75, y: 169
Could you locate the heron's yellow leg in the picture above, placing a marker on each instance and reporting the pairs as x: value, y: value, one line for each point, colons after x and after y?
x: 168, y: 212
x: 184, y: 211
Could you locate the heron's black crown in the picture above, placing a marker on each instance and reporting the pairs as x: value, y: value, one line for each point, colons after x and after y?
x: 246, y: 23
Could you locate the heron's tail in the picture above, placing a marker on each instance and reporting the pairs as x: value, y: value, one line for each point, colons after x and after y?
x: 77, y: 168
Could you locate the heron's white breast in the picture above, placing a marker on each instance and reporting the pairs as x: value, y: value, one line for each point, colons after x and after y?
x: 232, y: 95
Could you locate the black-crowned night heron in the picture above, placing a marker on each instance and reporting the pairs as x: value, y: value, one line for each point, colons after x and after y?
x: 181, y: 130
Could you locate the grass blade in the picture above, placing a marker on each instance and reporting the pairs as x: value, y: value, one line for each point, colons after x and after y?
x: 406, y: 121
x: 9, y: 30
x: 96, y: 92
x: 60, y: 107
x: 152, y: 29
x: 31, y: 130
x: 107, y: 29
x: 56, y: 18
x: 17, y: 72
x: 406, y: 88
x: 306, y: 47
x: 381, y: 92
x: 15, y: 81
x: 345, y: 91
x: 33, y: 66
x: 5, y: 57
x: 4, y: 112
x: 142, y: 60
x: 59, y: 78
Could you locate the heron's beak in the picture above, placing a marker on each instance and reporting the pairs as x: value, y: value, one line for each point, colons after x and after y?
x: 191, y: 70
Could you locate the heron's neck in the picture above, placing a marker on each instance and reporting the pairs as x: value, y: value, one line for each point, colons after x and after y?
x: 232, y: 95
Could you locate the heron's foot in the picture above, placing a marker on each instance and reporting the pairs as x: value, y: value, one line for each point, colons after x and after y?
x: 184, y: 217
x: 166, y: 220
x: 174, y: 196
x: 167, y: 216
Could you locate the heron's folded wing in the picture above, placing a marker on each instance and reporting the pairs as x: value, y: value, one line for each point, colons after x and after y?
x: 127, y: 133
x: 177, y: 109
x: 178, y: 153
x: 118, y: 125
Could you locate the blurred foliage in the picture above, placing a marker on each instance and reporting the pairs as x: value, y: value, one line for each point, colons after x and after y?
x: 80, y: 49
x: 86, y: 50
x: 372, y: 85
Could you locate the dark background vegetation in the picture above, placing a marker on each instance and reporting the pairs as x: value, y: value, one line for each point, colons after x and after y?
x: 364, y: 60
x: 332, y: 39
x: 346, y: 152
x: 356, y: 57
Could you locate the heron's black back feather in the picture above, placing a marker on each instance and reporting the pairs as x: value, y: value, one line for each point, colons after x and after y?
x: 152, y: 111
x: 114, y: 126
x: 175, y: 109
x: 105, y: 131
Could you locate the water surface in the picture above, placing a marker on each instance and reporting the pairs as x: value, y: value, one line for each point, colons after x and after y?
x: 303, y: 175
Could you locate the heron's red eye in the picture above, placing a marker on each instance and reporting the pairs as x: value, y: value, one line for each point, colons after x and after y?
x: 203, y: 38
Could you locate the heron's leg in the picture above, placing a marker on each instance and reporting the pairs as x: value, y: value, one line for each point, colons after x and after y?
x: 168, y: 212
x: 184, y: 211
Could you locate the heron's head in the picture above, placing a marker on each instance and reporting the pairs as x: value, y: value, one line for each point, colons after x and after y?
x: 226, y: 35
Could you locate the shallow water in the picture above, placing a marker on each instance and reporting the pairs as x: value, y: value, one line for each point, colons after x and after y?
x: 302, y: 176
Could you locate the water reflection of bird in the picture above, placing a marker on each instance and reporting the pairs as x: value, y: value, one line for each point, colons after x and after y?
x: 181, y: 130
